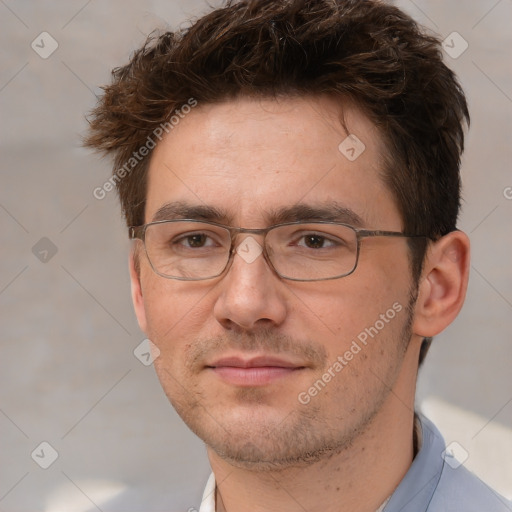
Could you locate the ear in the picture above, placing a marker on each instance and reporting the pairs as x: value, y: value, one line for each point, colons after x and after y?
x: 137, y: 298
x: 442, y: 287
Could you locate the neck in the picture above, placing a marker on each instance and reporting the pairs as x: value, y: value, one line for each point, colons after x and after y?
x: 358, y: 479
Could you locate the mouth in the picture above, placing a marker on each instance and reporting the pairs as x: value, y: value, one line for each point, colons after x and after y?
x: 257, y: 371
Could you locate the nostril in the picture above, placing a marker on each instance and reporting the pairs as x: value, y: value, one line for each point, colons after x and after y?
x: 246, y: 328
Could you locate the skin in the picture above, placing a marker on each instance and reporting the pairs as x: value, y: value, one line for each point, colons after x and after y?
x: 350, y: 446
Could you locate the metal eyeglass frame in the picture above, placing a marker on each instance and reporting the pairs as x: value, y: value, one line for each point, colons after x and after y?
x: 139, y: 232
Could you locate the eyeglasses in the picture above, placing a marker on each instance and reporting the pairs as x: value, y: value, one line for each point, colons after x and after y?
x: 195, y: 250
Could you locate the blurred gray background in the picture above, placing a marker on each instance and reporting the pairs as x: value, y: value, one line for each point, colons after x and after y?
x: 69, y: 376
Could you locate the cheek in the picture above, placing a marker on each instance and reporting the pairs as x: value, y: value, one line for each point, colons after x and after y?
x: 356, y: 307
x: 344, y: 306
x: 174, y: 310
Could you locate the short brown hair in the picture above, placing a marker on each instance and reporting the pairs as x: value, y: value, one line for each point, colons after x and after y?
x: 362, y: 50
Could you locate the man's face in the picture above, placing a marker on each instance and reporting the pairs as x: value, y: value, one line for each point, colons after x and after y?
x: 248, y: 159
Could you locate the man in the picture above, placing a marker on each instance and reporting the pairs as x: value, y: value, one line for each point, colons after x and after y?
x: 289, y: 172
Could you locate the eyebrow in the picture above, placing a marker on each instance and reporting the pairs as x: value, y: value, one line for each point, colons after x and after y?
x: 182, y: 210
x: 330, y: 211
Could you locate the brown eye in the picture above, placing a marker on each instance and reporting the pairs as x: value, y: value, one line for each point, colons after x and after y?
x: 196, y: 240
x: 314, y: 241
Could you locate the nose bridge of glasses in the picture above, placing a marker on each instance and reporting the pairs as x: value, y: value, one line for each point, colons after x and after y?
x: 249, y: 244
x: 239, y: 236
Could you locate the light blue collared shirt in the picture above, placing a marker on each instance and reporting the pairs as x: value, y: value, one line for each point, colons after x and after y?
x: 434, y: 483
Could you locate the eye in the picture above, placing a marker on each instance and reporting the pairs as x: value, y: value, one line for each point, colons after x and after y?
x: 194, y: 241
x: 316, y: 241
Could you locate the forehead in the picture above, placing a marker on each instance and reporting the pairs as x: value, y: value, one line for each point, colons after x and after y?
x: 249, y: 157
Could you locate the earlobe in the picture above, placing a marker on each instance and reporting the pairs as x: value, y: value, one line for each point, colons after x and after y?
x: 136, y: 290
x: 442, y: 287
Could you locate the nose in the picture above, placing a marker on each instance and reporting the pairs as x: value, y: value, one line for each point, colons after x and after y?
x: 251, y: 295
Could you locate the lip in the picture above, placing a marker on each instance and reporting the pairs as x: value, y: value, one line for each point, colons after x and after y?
x: 256, y: 371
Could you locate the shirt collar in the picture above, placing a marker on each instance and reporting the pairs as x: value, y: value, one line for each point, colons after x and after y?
x: 418, y: 486
x: 414, y: 492
x: 208, y: 501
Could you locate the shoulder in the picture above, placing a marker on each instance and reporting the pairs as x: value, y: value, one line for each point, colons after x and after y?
x: 460, y: 490
x: 457, y: 489
x: 438, y: 482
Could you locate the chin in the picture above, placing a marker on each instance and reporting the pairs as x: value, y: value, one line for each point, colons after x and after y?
x: 263, y: 438
x: 262, y: 454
